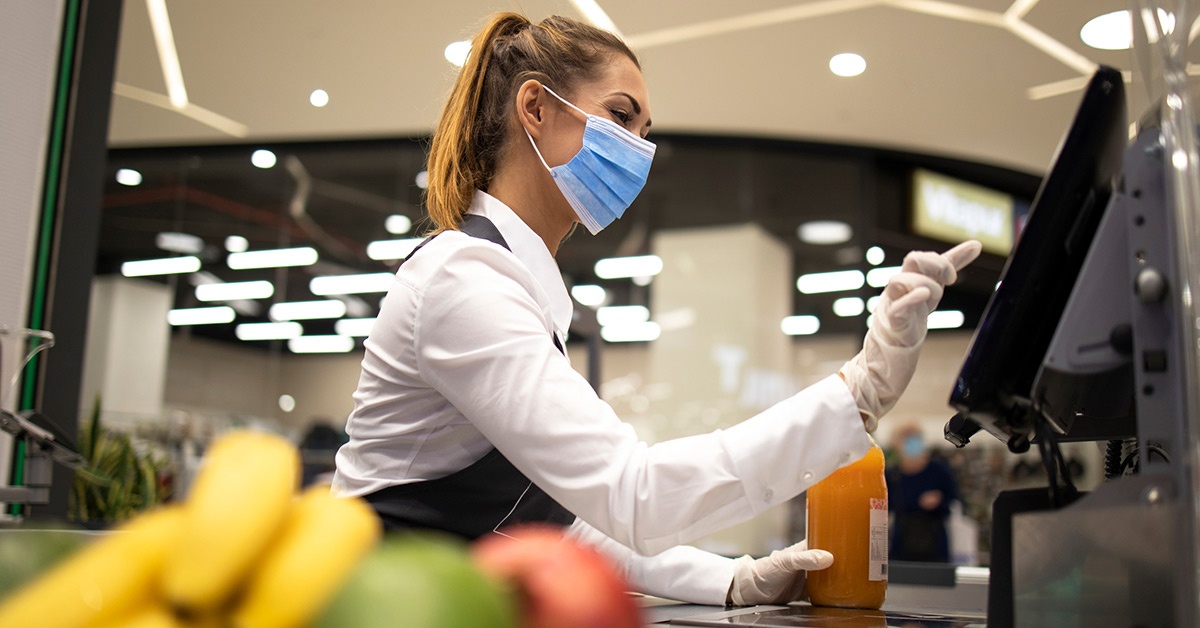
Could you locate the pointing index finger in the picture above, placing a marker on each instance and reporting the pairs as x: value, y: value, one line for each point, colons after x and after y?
x: 963, y: 254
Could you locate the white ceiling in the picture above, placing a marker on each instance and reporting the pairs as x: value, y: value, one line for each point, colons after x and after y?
x: 947, y: 77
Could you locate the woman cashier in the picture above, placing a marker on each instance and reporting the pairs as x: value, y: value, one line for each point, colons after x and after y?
x: 468, y: 416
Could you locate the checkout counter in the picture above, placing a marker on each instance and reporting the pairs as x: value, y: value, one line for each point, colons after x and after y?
x: 919, y: 595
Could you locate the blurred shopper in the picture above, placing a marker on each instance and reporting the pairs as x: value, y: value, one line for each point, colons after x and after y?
x: 468, y: 416
x: 920, y: 491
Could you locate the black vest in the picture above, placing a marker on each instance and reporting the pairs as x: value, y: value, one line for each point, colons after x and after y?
x: 487, y: 495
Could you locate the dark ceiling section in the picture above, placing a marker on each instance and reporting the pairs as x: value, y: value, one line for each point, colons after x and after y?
x: 336, y: 196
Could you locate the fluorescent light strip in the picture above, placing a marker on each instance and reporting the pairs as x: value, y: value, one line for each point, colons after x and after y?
x: 321, y: 344
x: 1051, y: 46
x: 168, y: 57
x: 163, y: 266
x: 273, y: 258
x: 631, y: 332
x: 622, y: 315
x: 354, y: 327
x: 803, y: 325
x: 848, y: 306
x: 383, y: 250
x: 201, y: 316
x: 204, y: 116
x: 872, y: 302
x: 624, y: 267
x: 773, y: 17
x: 879, y: 277
x: 235, y: 291
x: 837, y: 281
x: 307, y: 310
x: 268, y: 331
x: 350, y: 284
x: 946, y: 319
x: 590, y: 295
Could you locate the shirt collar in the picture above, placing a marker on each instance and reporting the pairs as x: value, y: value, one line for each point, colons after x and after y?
x: 532, y: 251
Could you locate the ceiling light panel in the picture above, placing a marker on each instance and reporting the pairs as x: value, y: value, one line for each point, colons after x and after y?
x: 201, y: 316
x: 836, y: 281
x: 803, y: 325
x: 273, y: 258
x: 626, y: 267
x: 235, y: 291
x: 350, y: 284
x: 268, y: 331
x: 307, y: 310
x: 162, y: 266
x: 321, y: 344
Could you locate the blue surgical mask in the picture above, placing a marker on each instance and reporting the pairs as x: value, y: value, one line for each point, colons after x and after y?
x: 602, y: 179
x: 913, y: 446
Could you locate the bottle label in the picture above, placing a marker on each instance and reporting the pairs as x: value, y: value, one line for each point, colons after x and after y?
x: 878, y: 563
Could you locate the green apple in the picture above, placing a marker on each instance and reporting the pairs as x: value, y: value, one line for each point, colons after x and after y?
x: 419, y: 580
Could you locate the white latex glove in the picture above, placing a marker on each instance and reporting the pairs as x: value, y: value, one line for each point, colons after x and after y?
x: 778, y: 578
x: 882, y: 370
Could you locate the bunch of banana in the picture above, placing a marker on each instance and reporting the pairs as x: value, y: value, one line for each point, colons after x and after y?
x: 244, y: 550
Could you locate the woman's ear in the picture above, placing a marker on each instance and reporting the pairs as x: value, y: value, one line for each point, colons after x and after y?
x: 529, y: 107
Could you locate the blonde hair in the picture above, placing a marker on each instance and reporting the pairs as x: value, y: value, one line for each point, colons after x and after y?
x: 472, y: 130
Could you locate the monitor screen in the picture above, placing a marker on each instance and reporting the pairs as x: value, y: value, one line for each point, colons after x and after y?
x: 995, y: 383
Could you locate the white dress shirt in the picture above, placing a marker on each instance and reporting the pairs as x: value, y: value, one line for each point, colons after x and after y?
x: 460, y: 360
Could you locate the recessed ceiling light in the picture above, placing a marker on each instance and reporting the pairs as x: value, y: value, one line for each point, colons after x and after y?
x: 847, y: 64
x: 319, y: 98
x: 398, y: 224
x: 1111, y: 31
x: 456, y: 53
x: 263, y: 158
x: 236, y: 244
x: 129, y: 176
x: 422, y: 179
x: 824, y: 232
x: 875, y: 256
x: 287, y: 403
x: 1114, y: 31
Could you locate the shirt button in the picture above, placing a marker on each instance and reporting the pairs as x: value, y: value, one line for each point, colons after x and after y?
x: 768, y: 495
x: 808, y: 476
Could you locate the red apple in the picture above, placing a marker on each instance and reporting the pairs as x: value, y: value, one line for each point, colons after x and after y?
x: 561, y: 583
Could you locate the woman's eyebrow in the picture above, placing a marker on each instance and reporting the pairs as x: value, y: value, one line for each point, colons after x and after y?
x: 637, y: 108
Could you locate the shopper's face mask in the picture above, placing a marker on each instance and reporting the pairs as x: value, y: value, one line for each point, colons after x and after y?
x: 602, y: 179
x: 913, y: 446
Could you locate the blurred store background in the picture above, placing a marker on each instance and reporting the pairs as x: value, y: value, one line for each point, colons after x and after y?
x: 782, y: 196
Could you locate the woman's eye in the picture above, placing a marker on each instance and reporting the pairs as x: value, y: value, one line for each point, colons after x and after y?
x: 623, y: 116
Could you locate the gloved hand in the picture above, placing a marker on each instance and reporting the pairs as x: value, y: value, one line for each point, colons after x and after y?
x: 882, y: 370
x: 778, y: 578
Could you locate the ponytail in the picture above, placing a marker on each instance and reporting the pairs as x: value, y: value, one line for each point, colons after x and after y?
x: 472, y: 130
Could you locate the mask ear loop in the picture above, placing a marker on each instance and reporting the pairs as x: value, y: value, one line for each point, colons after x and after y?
x: 533, y: 143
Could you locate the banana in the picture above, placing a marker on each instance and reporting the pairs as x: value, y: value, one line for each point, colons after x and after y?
x: 154, y: 614
x: 103, y: 580
x: 323, y: 540
x: 236, y: 506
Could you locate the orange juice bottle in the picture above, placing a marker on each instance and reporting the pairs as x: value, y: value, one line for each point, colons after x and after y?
x: 848, y: 516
